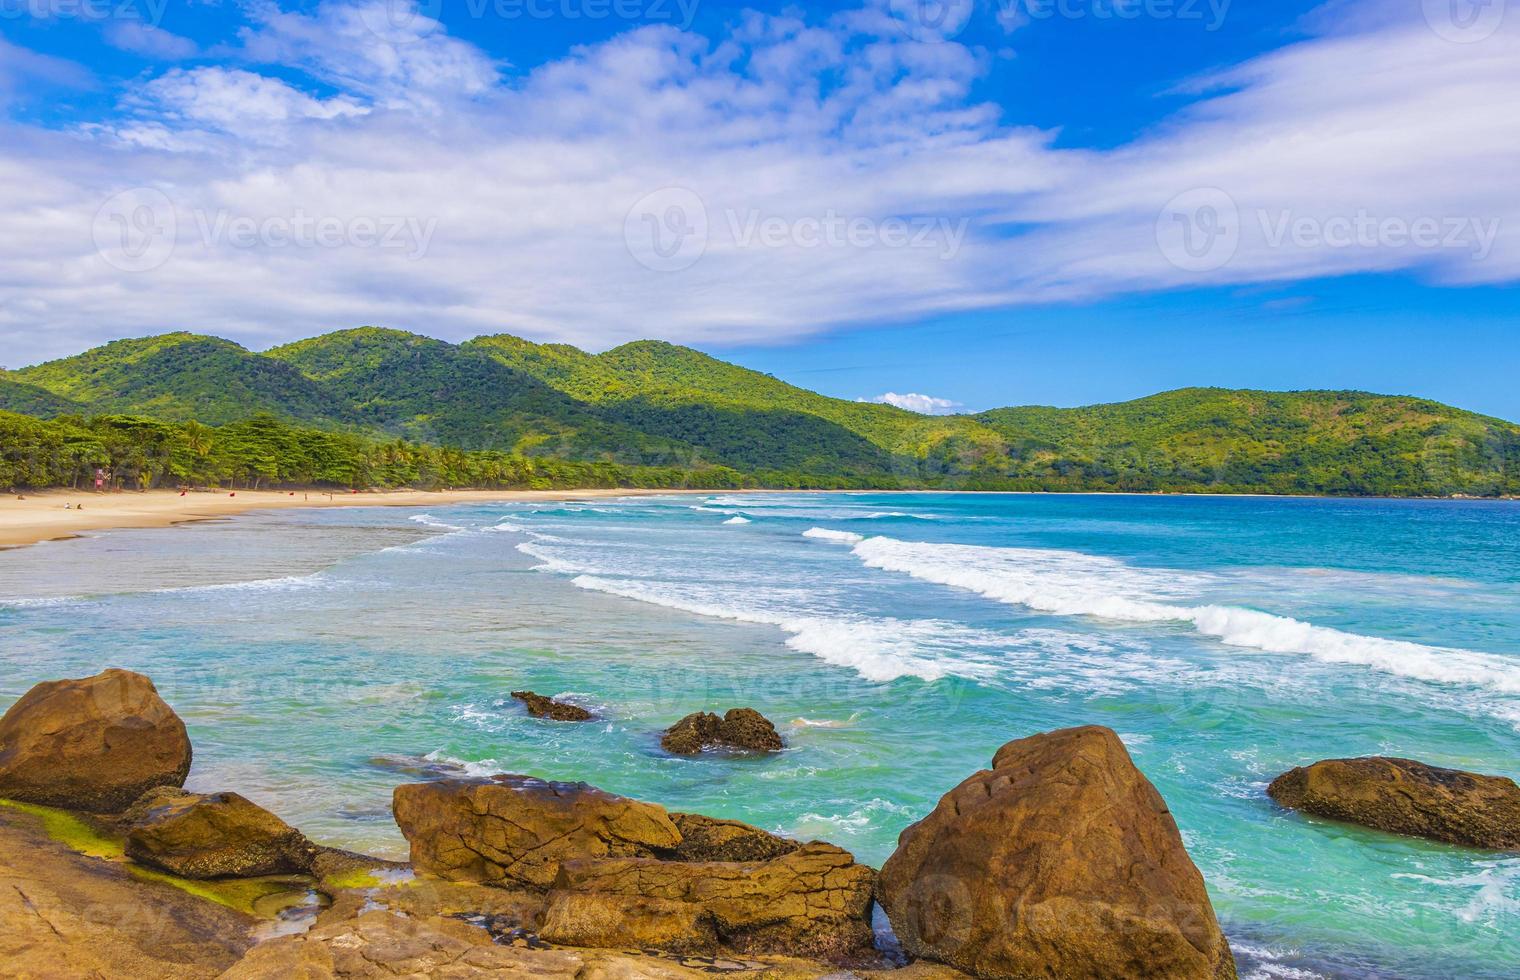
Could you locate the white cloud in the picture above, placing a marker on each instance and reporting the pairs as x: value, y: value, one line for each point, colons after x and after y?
x: 833, y: 161
x: 149, y: 40
x: 913, y: 402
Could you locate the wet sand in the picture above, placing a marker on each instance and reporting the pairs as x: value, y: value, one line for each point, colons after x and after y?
x: 53, y: 514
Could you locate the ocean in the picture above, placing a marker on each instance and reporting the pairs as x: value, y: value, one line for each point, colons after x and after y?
x: 321, y: 657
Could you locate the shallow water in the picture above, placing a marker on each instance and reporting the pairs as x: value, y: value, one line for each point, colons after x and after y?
x: 897, y: 640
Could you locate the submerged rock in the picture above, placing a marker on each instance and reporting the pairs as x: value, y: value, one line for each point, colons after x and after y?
x: 1061, y: 861
x: 542, y: 707
x: 740, y: 728
x: 1407, y: 797
x: 219, y: 835
x: 95, y: 744
x: 515, y: 830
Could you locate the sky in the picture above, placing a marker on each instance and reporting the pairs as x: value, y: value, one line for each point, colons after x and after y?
x: 946, y: 204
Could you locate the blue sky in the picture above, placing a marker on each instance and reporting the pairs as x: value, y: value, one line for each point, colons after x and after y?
x: 982, y: 202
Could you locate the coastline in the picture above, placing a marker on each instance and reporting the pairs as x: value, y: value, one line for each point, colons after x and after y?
x: 43, y: 516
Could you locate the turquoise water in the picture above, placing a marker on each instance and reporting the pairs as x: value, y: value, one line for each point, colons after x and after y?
x: 897, y: 640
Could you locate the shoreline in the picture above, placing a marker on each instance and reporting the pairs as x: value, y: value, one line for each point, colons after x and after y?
x: 43, y: 516
x: 33, y: 518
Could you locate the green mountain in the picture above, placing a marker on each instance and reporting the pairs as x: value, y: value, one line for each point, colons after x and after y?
x: 660, y: 407
x: 181, y: 376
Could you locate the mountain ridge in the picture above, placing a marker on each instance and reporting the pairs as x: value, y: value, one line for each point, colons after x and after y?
x: 655, y: 404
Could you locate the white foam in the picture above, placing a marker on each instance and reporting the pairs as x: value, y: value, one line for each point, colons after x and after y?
x: 1073, y: 584
x: 840, y: 537
x: 286, y: 583
x: 552, y: 562
x: 474, y: 770
x: 736, y: 519
x: 430, y: 521
x: 879, y: 650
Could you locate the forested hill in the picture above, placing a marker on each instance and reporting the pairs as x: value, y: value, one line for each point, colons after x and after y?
x: 503, y: 410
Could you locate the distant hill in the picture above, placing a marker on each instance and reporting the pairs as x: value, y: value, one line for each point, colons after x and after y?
x: 656, y: 404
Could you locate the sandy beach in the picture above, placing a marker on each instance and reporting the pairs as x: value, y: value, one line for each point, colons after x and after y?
x: 53, y: 514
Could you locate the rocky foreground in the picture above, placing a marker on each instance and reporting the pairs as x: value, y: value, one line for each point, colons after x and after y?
x: 1061, y: 860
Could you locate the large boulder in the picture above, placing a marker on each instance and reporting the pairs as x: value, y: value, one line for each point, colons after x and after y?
x: 814, y: 901
x: 1407, y: 797
x: 1061, y: 861
x: 514, y: 831
x: 95, y: 744
x: 740, y: 728
x: 219, y: 835
x: 617, y: 873
x: 541, y: 707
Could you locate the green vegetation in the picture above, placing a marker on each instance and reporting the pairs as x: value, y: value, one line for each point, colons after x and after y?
x: 72, y: 830
x: 380, y: 408
x: 79, y: 833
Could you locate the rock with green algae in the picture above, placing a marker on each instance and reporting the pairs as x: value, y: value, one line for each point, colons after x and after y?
x: 215, y: 835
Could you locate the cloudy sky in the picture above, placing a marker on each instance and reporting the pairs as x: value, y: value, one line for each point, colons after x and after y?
x: 940, y: 204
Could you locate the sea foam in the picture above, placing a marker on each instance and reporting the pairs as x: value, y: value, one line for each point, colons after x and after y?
x: 879, y: 650
x: 1073, y: 584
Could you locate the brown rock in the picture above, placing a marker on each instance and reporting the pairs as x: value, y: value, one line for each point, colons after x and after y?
x: 813, y: 902
x: 380, y: 945
x: 220, y: 835
x: 95, y: 744
x: 740, y: 728
x: 1062, y: 861
x: 1407, y: 797
x: 710, y: 839
x: 542, y: 707
x: 515, y: 830
x: 65, y: 915
x: 601, y: 921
